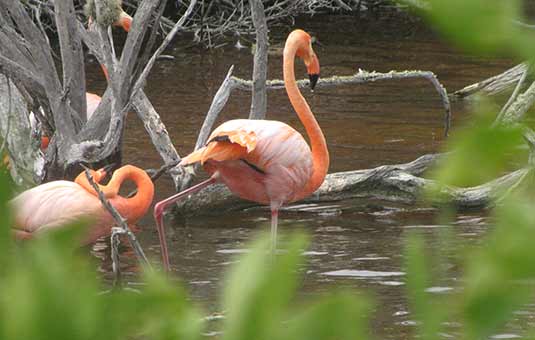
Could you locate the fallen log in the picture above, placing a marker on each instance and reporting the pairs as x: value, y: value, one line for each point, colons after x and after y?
x: 394, y: 183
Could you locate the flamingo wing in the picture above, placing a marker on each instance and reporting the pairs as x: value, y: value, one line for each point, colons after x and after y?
x: 54, y: 204
x: 224, y: 144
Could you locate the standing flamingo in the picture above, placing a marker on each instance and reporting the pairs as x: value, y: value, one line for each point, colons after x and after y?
x: 264, y: 161
x: 54, y: 204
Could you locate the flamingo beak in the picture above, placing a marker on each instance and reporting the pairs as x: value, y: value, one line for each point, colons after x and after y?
x: 313, y: 80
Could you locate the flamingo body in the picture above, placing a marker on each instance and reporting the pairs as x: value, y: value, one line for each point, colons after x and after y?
x: 270, y: 164
x: 57, y: 203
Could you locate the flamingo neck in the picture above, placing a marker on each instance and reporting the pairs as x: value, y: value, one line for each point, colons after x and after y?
x: 320, y: 154
x: 135, y: 207
x: 132, y: 208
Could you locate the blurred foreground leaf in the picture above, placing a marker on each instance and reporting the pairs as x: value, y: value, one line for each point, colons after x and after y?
x: 483, y: 26
x: 479, y: 153
x: 499, y: 276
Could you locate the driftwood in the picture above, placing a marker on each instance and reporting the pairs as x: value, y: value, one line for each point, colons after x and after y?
x: 394, y: 183
x: 495, y: 84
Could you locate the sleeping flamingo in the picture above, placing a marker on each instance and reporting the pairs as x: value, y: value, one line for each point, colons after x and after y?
x: 264, y: 161
x: 54, y: 204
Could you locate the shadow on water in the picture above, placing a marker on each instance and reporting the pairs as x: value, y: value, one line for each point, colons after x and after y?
x: 356, y: 243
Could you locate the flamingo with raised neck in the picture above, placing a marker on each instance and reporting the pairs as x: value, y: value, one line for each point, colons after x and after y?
x: 264, y: 161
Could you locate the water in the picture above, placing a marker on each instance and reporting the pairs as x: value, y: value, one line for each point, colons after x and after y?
x: 355, y: 243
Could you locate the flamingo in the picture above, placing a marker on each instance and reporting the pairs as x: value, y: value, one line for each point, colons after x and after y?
x: 54, y: 204
x: 264, y: 161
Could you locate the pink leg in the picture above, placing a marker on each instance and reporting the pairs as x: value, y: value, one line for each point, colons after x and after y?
x: 274, y: 222
x: 158, y: 215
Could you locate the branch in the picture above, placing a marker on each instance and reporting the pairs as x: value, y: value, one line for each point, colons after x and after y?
x: 121, y: 222
x: 360, y: 77
x: 259, y: 95
x: 72, y: 56
x: 218, y: 103
x: 143, y: 76
x: 495, y: 84
x: 394, y: 183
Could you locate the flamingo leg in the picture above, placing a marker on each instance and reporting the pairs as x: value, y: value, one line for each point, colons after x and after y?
x: 274, y: 223
x: 162, y: 205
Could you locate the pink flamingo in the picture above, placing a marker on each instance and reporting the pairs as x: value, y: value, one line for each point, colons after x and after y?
x: 54, y: 204
x: 264, y: 161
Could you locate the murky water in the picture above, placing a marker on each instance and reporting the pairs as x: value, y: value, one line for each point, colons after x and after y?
x: 355, y: 243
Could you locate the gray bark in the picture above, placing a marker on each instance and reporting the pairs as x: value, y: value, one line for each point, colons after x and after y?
x: 26, y: 161
x: 72, y: 57
x: 259, y: 94
x: 495, y: 84
x: 394, y: 183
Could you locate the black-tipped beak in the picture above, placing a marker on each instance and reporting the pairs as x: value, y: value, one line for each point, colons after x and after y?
x: 313, y: 80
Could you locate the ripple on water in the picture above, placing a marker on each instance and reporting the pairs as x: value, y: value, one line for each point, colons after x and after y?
x: 315, y: 253
x: 505, y: 336
x: 362, y: 273
x: 232, y: 251
x: 438, y: 290
x: 371, y: 258
x: 391, y: 283
x: 426, y: 226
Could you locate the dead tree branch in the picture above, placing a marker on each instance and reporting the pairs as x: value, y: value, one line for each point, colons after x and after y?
x: 495, y: 84
x: 218, y: 103
x: 395, y: 183
x: 259, y: 94
x: 361, y: 77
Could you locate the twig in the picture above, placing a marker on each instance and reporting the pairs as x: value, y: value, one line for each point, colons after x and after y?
x: 123, y: 229
x: 513, y: 97
x: 218, y: 103
x: 161, y: 48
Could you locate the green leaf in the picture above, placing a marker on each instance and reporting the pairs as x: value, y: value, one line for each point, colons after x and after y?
x: 493, y: 287
x: 259, y: 290
x: 340, y: 315
x: 479, y: 153
x: 484, y: 26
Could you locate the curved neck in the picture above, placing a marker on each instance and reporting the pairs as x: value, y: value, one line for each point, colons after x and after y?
x: 320, y: 154
x: 131, y: 208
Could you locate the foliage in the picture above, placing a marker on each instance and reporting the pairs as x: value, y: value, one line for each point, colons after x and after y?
x: 49, y: 290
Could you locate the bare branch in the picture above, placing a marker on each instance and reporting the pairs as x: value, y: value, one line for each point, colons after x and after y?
x: 495, y: 84
x: 72, y: 56
x: 218, y: 103
x: 259, y: 95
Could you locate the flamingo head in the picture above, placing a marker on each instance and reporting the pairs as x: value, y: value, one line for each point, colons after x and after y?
x: 306, y: 52
x: 124, y: 21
